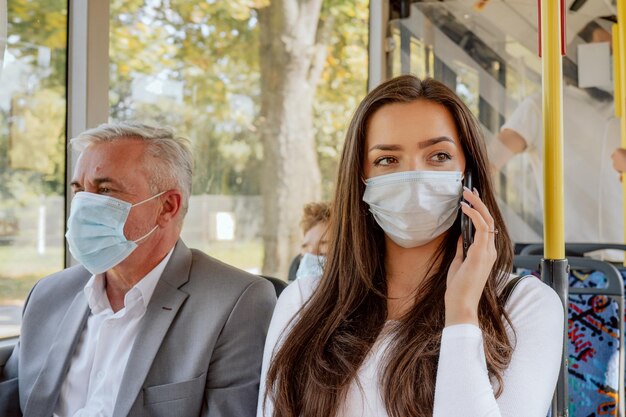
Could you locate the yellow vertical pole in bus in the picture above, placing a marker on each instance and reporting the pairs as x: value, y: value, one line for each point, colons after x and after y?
x: 554, y: 230
x: 554, y: 264
x: 619, y: 57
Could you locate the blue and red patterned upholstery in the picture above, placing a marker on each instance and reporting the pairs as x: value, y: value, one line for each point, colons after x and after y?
x: 593, y: 348
x: 593, y: 334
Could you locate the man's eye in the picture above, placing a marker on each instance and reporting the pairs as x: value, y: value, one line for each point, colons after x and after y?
x: 385, y: 161
x: 104, y: 190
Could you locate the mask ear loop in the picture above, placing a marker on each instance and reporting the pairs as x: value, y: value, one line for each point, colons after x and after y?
x: 148, y: 199
x: 147, y: 234
x: 155, y: 227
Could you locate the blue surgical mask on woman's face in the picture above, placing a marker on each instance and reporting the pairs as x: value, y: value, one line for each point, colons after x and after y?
x: 95, y: 231
x: 414, y: 207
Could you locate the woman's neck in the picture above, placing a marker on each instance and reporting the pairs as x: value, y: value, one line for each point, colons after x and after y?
x: 406, y: 270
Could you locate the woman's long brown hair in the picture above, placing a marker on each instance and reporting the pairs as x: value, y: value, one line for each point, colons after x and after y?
x: 333, y: 332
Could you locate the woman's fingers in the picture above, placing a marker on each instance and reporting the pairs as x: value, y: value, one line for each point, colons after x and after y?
x: 477, y: 204
x: 484, y: 238
x: 481, y: 237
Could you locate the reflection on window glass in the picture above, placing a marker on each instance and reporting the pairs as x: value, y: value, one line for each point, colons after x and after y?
x: 488, y: 55
x: 467, y: 85
x: 32, y: 150
x: 197, y: 66
x: 490, y: 69
x: 396, y: 52
x: 419, y: 59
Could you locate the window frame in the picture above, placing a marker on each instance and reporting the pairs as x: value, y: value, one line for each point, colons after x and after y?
x: 87, y: 80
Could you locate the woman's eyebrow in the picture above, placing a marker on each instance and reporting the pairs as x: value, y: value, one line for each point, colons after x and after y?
x: 434, y: 141
x: 384, y: 147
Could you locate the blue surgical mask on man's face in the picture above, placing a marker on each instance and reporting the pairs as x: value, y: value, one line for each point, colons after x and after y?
x: 95, y: 231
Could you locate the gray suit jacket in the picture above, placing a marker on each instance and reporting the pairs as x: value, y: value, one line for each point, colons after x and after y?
x: 198, y: 351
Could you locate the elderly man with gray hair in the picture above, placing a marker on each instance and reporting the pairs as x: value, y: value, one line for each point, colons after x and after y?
x: 143, y: 326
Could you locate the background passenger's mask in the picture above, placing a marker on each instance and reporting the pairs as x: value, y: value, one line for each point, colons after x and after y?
x: 311, y: 265
x: 95, y: 231
x: 414, y: 207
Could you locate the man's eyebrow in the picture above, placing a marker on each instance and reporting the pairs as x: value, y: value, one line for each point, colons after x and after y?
x: 103, y: 180
x: 434, y: 141
x: 384, y: 147
x: 97, y: 181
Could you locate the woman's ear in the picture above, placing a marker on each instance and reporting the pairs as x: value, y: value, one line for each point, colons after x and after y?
x: 172, y: 204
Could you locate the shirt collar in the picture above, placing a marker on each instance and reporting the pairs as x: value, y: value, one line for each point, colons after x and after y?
x: 96, y: 294
x: 148, y: 283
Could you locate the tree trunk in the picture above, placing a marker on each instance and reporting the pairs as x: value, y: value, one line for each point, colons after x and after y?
x: 290, y: 71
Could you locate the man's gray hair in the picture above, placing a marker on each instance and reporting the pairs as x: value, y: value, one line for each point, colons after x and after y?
x: 173, y: 153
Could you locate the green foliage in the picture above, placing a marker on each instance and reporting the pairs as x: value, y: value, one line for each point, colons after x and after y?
x: 204, y: 48
x: 34, y: 24
x: 205, y: 54
x: 32, y: 124
x: 343, y: 83
x: 210, y: 51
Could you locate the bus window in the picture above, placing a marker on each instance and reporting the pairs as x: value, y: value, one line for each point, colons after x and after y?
x: 32, y: 149
x: 196, y: 66
x: 488, y: 54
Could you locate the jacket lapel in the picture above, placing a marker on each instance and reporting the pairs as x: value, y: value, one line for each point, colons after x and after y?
x: 163, y: 307
x: 47, y: 387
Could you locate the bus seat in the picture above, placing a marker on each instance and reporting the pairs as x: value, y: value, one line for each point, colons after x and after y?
x: 595, y: 335
x: 279, y: 284
x: 293, y: 268
x: 571, y: 249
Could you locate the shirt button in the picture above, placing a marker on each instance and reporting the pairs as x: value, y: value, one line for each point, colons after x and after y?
x: 100, y: 375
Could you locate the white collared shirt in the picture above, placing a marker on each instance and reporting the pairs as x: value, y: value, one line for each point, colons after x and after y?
x: 92, y: 383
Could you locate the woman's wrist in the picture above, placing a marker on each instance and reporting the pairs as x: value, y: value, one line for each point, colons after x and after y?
x: 461, y: 314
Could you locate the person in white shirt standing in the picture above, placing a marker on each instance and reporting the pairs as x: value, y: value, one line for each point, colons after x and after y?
x: 592, y: 191
x: 400, y: 323
x: 144, y: 325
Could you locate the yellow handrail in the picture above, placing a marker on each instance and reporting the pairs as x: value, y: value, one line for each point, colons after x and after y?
x: 553, y: 229
x: 619, y: 55
x: 617, y: 58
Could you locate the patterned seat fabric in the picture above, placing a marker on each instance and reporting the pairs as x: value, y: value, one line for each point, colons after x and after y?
x: 593, y: 348
x: 593, y: 334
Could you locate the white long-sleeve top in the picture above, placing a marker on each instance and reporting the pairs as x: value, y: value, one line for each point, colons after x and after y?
x: 463, y: 387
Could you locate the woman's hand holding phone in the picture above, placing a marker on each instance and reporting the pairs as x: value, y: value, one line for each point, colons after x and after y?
x: 467, y: 277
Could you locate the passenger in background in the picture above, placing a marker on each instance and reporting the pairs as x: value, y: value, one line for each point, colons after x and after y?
x: 143, y: 326
x: 590, y: 133
x: 400, y: 323
x: 314, y: 223
x: 619, y: 160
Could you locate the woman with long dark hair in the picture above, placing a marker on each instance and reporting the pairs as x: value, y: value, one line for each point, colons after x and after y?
x: 401, y: 324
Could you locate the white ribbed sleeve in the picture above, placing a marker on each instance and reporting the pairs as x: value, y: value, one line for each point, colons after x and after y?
x: 463, y: 387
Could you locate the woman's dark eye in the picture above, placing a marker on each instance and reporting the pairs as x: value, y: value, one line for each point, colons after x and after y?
x: 441, y: 157
x: 385, y: 161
